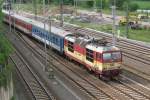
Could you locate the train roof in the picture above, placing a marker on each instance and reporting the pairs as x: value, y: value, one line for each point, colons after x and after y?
x: 38, y: 24
x: 54, y: 30
x: 17, y: 16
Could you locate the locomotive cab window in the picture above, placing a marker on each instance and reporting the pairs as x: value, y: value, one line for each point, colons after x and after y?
x: 70, y: 46
x: 116, y: 55
x: 89, y: 55
x: 113, y: 56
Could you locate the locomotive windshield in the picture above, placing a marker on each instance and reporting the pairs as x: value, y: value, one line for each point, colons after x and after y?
x: 112, y: 57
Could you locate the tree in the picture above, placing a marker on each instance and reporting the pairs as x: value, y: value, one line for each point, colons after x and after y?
x: 1, y: 15
x: 133, y: 7
x: 119, y: 3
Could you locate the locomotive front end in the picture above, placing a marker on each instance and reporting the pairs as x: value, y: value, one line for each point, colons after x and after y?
x: 112, y: 61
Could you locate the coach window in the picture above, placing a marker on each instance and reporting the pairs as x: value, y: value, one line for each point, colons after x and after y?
x: 70, y: 46
x: 53, y: 39
x: 46, y: 37
x: 35, y: 31
x: 42, y: 35
x: 89, y: 55
x: 56, y: 41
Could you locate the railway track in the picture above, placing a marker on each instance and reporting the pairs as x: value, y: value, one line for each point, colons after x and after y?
x: 136, y: 51
x: 125, y: 45
x: 134, y: 94
x: 133, y: 51
x: 36, y: 88
x: 128, y: 91
x: 34, y: 85
x: 93, y: 92
x: 121, y: 89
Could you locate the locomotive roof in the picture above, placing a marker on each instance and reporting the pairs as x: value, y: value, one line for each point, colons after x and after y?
x: 80, y: 39
x: 101, y: 45
x: 96, y: 48
x: 98, y: 45
x: 54, y: 30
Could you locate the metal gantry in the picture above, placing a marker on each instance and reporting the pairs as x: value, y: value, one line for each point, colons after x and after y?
x: 101, y: 7
x: 45, y: 47
x: 61, y: 12
x: 9, y: 8
x: 44, y: 7
x: 35, y: 8
x: 114, y: 23
x: 127, y: 18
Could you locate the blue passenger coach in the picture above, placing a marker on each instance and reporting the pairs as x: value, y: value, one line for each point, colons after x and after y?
x: 55, y: 38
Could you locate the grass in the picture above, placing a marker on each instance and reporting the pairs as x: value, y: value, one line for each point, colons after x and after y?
x: 141, y: 35
x: 142, y: 4
x: 118, y: 12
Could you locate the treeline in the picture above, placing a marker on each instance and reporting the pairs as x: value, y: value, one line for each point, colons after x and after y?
x: 106, y: 4
x: 5, y: 68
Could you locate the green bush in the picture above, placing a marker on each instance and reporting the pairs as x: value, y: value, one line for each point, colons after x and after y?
x: 133, y: 6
